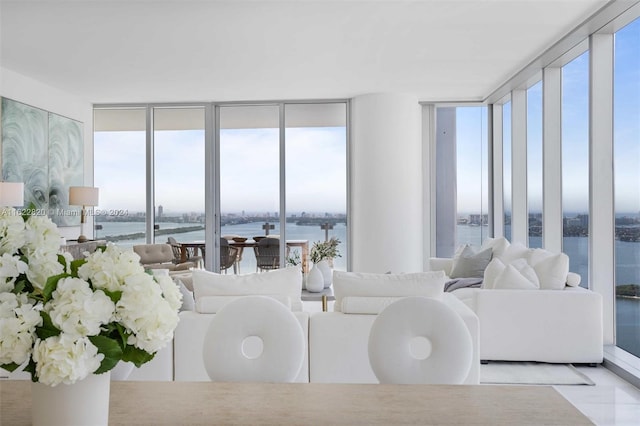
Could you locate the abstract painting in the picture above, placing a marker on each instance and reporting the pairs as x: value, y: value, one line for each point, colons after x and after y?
x: 43, y: 150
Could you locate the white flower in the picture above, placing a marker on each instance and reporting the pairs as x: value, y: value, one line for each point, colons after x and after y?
x: 12, y: 235
x: 10, y: 268
x: 42, y: 265
x: 65, y: 359
x: 41, y: 235
x: 18, y: 321
x: 77, y: 310
x: 144, y: 312
x: 170, y: 291
x: 109, y: 269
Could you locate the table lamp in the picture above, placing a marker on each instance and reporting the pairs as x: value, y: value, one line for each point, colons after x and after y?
x: 83, y: 196
x: 11, y: 194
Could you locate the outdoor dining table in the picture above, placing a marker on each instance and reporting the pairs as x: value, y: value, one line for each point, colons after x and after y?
x: 199, y: 246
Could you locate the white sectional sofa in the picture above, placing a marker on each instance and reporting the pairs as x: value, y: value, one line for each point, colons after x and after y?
x: 337, y: 341
x: 556, y: 321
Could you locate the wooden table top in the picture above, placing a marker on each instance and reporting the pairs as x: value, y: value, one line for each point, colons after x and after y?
x: 206, y: 403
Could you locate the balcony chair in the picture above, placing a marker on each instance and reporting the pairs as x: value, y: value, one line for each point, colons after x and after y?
x: 192, y: 255
x: 228, y: 256
x: 267, y: 254
x: 160, y: 256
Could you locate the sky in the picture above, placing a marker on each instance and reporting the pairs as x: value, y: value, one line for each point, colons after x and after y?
x: 471, y: 133
x: 249, y: 170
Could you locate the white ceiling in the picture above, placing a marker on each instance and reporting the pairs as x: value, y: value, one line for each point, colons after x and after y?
x: 189, y: 50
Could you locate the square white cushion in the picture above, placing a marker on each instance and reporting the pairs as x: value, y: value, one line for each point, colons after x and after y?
x: 493, y: 269
x: 518, y: 275
x: 428, y: 284
x: 552, y: 271
x: 497, y: 245
x: 286, y: 282
x: 513, y: 252
x: 470, y: 263
x: 212, y: 304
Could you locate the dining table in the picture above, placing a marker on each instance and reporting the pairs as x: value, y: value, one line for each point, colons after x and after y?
x: 208, y: 403
x: 199, y: 247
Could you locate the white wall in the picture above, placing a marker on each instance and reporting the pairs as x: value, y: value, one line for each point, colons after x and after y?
x: 37, y: 94
x: 386, y: 184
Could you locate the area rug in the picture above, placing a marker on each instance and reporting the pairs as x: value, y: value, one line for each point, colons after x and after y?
x: 532, y: 373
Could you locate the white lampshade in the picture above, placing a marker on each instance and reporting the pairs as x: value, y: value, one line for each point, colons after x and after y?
x: 83, y: 196
x: 11, y: 194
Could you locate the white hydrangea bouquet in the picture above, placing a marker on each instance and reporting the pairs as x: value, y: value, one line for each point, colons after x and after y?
x: 64, y: 319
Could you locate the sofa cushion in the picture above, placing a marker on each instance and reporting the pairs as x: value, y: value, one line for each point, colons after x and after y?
x: 513, y: 278
x: 516, y: 275
x: 513, y: 252
x: 366, y: 305
x: 573, y: 279
x: 285, y: 282
x: 497, y: 245
x: 552, y: 271
x: 212, y: 304
x: 471, y: 263
x: 428, y: 284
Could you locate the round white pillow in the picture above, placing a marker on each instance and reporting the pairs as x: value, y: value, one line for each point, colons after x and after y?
x: 254, y: 338
x: 420, y: 340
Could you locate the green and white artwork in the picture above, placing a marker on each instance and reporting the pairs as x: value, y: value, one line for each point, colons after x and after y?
x: 43, y: 150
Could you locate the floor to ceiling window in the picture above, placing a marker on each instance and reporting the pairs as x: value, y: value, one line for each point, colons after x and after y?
x: 249, y: 175
x: 178, y: 149
x: 472, y: 181
x: 534, y: 164
x: 119, y: 173
x: 575, y: 164
x: 506, y: 167
x: 627, y: 185
x: 252, y: 180
x: 315, y: 170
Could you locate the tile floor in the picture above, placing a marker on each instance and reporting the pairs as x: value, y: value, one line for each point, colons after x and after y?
x: 612, y: 401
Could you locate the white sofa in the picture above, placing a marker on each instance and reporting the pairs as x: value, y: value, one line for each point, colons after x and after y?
x: 562, y: 325
x: 337, y: 341
x: 338, y: 345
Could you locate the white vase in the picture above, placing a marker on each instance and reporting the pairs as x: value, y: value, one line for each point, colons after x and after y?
x: 85, y: 402
x: 327, y: 272
x: 122, y: 370
x: 315, y: 281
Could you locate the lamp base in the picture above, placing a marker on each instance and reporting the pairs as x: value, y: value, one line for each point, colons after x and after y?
x: 82, y: 239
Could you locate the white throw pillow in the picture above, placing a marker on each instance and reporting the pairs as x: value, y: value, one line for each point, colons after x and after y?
x: 553, y: 271
x: 428, y: 284
x: 512, y: 278
x: 188, y: 303
x: 573, y: 279
x: 281, y: 282
x: 536, y: 255
x: 497, y: 245
x: 492, y: 271
x: 470, y: 263
x: 513, y: 252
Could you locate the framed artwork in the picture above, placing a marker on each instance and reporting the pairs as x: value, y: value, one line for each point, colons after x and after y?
x: 45, y: 151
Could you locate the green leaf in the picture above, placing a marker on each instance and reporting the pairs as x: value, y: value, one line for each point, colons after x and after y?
x: 10, y: 367
x: 51, y: 285
x: 136, y: 355
x: 27, y: 214
x: 113, y: 295
x: 75, y: 265
x: 47, y: 329
x: 31, y: 368
x: 110, y: 349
